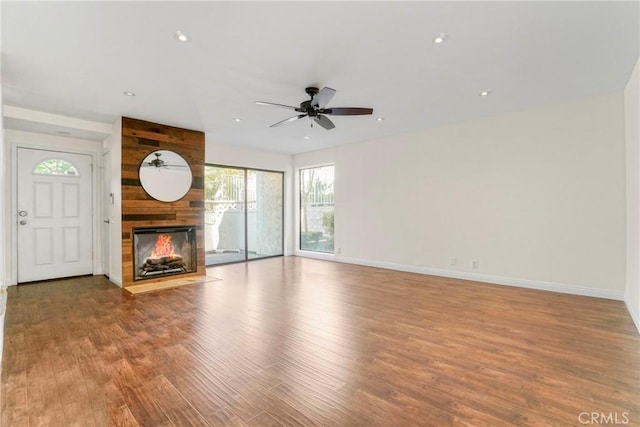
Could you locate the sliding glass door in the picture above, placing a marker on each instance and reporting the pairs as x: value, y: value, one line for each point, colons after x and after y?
x: 264, y: 216
x: 225, y: 237
x: 243, y: 214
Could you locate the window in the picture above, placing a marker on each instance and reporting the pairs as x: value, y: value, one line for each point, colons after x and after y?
x: 317, y: 209
x: 55, y: 167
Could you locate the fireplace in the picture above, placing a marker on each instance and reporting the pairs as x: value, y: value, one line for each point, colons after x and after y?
x: 163, y: 251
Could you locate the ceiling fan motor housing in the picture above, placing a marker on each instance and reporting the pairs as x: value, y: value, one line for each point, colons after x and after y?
x: 307, y: 108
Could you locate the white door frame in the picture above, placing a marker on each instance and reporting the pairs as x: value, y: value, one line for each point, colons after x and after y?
x: 19, y: 139
x: 105, y: 198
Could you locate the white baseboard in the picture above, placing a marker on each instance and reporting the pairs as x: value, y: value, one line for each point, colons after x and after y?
x: 634, y: 315
x: 116, y: 280
x: 496, y: 280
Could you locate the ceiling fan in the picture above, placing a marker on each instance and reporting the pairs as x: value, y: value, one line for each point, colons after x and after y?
x: 316, y: 108
x: 159, y: 163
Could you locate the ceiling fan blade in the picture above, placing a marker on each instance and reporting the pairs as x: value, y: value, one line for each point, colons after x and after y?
x: 323, y: 97
x: 290, y: 119
x: 324, y: 122
x: 348, y: 111
x: 271, y: 104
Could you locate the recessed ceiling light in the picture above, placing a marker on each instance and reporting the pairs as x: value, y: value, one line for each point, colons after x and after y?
x: 181, y: 37
x: 439, y: 39
x: 380, y: 119
x: 485, y: 93
x: 128, y: 93
x: 237, y: 119
x: 307, y: 137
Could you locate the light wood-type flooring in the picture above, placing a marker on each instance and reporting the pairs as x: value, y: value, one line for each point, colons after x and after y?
x: 300, y: 342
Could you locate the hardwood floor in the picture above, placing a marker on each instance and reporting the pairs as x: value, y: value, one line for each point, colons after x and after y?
x: 301, y: 342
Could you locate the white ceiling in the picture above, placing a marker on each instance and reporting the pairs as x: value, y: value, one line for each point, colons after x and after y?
x: 77, y: 58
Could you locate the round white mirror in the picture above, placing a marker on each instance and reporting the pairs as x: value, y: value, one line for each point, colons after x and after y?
x: 165, y: 176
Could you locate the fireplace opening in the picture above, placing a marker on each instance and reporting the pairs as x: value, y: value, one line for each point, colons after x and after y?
x: 163, y: 251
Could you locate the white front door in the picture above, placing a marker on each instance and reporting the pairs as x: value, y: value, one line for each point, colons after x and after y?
x: 55, y: 233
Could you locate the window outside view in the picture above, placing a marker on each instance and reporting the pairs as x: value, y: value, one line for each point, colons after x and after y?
x: 243, y: 214
x: 317, y: 209
x: 55, y: 167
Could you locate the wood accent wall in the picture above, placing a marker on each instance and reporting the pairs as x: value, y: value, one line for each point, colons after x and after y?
x: 139, y: 139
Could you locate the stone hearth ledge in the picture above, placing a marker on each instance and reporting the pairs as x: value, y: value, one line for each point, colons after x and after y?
x: 167, y: 284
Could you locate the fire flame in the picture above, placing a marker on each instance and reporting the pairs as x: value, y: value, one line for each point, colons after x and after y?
x: 163, y: 247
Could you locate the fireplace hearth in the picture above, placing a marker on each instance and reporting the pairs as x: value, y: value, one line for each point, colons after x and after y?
x: 163, y: 251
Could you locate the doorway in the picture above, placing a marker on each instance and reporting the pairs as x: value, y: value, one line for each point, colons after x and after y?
x: 244, y: 214
x: 54, y: 203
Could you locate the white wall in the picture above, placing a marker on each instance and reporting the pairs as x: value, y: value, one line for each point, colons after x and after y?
x: 113, y: 144
x: 537, y: 197
x: 4, y: 276
x: 226, y: 155
x: 632, y: 135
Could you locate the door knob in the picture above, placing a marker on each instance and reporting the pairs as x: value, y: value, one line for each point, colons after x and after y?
x: 23, y: 222
x: 22, y: 213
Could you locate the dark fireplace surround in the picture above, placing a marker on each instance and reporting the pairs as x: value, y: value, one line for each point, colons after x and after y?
x: 164, y: 251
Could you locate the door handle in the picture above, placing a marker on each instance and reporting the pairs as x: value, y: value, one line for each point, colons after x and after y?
x: 22, y: 213
x: 106, y: 221
x: 23, y: 222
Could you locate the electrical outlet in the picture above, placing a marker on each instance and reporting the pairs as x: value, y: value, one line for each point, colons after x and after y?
x: 475, y: 264
x: 453, y: 261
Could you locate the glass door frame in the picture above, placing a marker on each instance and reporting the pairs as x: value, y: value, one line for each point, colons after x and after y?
x: 246, y: 212
x: 299, y: 239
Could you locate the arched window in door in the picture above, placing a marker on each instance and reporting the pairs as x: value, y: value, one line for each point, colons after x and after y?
x: 56, y: 167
